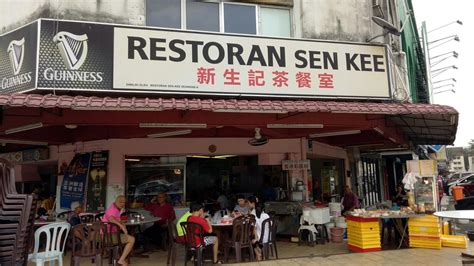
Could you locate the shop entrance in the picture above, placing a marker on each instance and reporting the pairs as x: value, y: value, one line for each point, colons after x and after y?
x: 199, y: 178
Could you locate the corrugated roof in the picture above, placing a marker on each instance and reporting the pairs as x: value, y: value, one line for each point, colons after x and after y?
x: 159, y: 104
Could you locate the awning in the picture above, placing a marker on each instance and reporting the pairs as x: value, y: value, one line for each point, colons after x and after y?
x: 420, y: 123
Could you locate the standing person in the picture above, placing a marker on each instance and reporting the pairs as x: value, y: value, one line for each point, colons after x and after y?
x: 241, y: 208
x: 197, y: 216
x: 222, y: 201
x: 350, y: 201
x: 260, y: 216
x: 160, y: 208
x: 112, y: 215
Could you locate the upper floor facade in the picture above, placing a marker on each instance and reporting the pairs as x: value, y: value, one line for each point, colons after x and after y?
x: 334, y: 20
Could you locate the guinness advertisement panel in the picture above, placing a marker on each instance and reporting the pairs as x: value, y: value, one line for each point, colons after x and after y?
x: 75, y: 56
x: 18, y: 59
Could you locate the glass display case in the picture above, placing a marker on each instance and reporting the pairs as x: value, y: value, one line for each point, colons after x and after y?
x: 426, y: 197
x: 148, y: 177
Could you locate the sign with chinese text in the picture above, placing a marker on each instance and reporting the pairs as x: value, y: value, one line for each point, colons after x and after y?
x: 74, y: 181
x: 178, y: 61
x: 295, y: 165
x: 97, y: 182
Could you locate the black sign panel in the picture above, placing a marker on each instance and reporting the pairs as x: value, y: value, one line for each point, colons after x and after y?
x: 18, y: 59
x: 75, y: 56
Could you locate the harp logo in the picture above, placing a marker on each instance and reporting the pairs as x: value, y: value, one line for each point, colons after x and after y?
x: 73, y: 48
x: 16, y: 52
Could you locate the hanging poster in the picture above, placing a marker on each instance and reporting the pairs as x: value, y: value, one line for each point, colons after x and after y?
x: 97, y: 181
x: 74, y: 181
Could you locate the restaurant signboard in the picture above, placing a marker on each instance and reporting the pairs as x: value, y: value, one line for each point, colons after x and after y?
x: 116, y: 58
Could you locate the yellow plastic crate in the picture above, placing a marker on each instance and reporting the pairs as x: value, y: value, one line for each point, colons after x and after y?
x: 363, y: 224
x: 363, y: 230
x: 362, y: 236
x: 365, y: 245
x: 454, y: 241
x: 424, y: 230
x: 426, y: 224
x: 359, y: 236
x: 425, y: 242
x: 428, y: 220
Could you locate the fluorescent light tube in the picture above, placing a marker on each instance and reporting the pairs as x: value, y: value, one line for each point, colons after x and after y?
x: 24, y: 142
x: 23, y: 128
x: 295, y: 125
x: 378, y: 130
x: 171, y: 125
x: 170, y: 133
x: 336, y: 133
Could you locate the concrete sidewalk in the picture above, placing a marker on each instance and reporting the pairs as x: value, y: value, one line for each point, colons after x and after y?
x: 412, y: 256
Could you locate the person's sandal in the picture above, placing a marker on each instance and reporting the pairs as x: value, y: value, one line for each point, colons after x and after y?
x: 218, y: 262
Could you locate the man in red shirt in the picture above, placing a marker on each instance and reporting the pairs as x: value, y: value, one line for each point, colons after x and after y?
x: 197, y: 216
x: 160, y: 208
x: 350, y: 200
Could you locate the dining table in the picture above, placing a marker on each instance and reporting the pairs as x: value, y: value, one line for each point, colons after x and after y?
x: 132, y: 226
x: 223, y: 232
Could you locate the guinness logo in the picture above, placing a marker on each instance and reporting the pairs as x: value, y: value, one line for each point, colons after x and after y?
x: 16, y: 52
x: 73, y: 48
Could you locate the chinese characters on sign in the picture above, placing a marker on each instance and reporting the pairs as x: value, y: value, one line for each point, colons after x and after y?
x: 295, y: 165
x: 75, y: 178
x: 256, y: 78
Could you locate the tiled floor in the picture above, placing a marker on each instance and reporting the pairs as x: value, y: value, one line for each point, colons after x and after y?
x: 329, y: 254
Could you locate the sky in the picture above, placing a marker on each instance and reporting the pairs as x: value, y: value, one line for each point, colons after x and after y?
x: 437, y: 13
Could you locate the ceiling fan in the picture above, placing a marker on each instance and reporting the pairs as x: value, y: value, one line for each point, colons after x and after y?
x: 258, y: 139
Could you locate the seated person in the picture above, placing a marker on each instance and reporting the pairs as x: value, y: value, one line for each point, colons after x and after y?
x: 160, y: 208
x: 41, y: 211
x: 251, y: 202
x: 197, y: 216
x: 401, y: 196
x: 183, y: 218
x: 49, y: 202
x: 77, y: 209
x: 350, y: 200
x: 260, y: 216
x: 242, y: 206
x: 112, y: 215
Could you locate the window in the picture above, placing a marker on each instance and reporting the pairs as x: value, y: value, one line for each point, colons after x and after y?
x: 219, y: 17
x: 240, y: 19
x: 202, y: 16
x: 163, y: 13
x: 275, y: 22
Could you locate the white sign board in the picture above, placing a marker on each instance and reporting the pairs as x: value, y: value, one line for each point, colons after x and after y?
x: 295, y: 165
x: 171, y: 61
